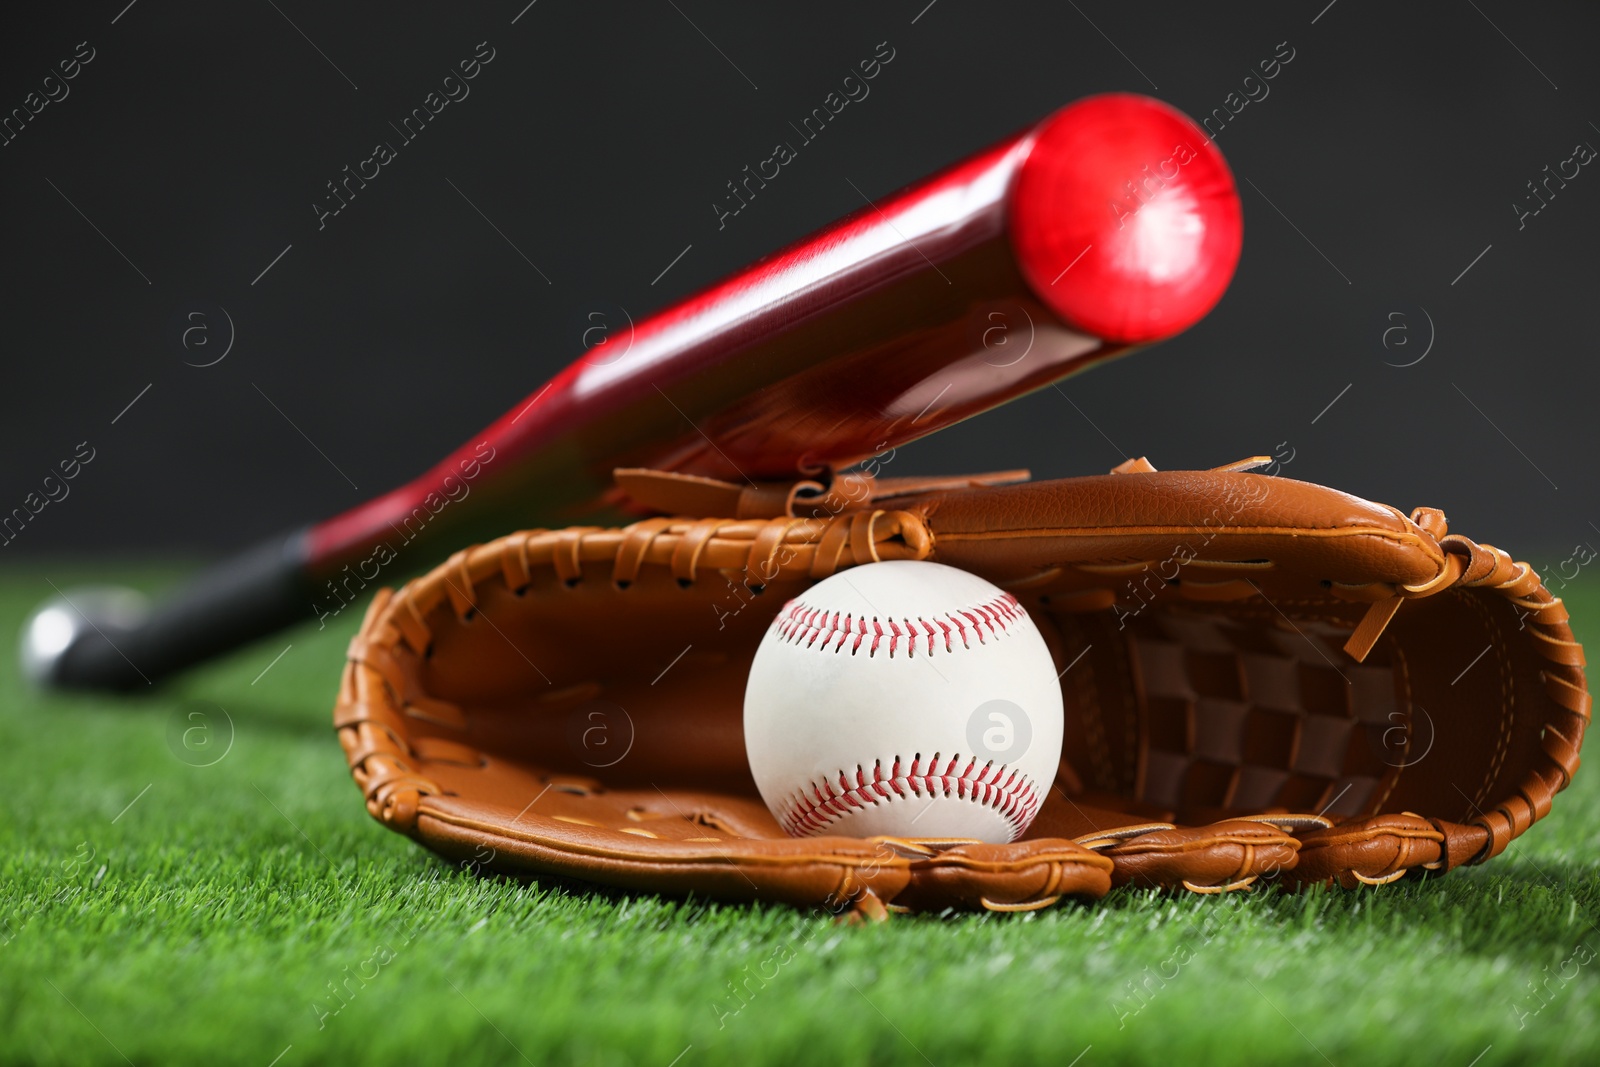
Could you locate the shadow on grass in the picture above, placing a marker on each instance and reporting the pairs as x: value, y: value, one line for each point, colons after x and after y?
x: 1512, y: 908
x: 265, y: 716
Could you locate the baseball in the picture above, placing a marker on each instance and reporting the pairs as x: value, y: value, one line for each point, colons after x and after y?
x: 906, y: 699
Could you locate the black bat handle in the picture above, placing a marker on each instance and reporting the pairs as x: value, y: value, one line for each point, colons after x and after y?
x: 103, y: 640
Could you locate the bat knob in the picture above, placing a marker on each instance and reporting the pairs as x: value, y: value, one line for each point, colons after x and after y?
x: 1125, y: 218
x: 74, y: 635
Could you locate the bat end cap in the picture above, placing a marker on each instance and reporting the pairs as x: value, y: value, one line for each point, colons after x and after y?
x: 1125, y: 218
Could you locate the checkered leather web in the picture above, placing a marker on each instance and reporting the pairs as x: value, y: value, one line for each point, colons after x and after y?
x: 1241, y: 716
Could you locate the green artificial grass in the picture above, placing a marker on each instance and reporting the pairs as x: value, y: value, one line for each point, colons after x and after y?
x: 154, y: 910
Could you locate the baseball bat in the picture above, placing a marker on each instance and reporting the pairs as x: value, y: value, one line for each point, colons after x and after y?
x: 1111, y: 224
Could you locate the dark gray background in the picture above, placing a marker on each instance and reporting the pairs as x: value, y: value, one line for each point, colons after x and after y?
x: 199, y: 137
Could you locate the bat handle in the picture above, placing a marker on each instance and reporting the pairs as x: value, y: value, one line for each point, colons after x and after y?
x: 112, y: 639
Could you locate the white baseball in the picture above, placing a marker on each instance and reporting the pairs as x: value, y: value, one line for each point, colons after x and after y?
x: 907, y: 699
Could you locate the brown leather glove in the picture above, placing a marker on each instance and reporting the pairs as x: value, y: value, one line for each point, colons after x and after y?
x: 1263, y: 679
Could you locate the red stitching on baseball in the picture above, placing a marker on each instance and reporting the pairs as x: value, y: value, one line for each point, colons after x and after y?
x: 1016, y: 799
x: 801, y: 624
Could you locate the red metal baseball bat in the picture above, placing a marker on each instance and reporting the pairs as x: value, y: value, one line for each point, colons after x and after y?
x: 1111, y: 224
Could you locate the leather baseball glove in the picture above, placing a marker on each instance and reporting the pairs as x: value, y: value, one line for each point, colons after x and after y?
x: 1263, y: 679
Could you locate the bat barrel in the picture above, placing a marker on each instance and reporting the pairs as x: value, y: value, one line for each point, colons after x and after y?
x: 1111, y: 224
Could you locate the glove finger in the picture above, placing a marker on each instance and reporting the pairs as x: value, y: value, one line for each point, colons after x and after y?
x: 1020, y: 876
x: 1206, y: 859
x: 1371, y: 851
x: 829, y: 872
